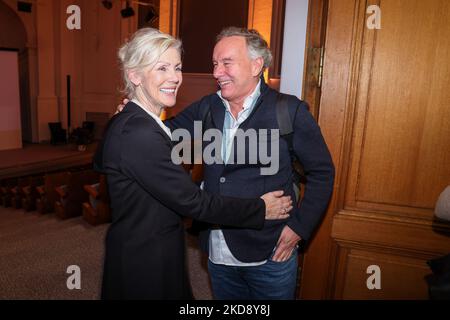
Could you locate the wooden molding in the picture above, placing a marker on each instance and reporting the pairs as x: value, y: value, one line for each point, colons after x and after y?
x: 332, y: 120
x: 415, y: 235
x: 315, y: 40
x: 402, y: 275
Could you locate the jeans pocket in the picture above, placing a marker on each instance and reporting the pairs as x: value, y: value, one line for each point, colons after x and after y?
x: 293, y: 255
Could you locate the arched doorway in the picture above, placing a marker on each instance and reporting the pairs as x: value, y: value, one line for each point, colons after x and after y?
x: 13, y: 36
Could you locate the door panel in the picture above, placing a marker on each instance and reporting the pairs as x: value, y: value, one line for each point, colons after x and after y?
x: 385, y: 114
x: 404, y: 132
x: 399, y: 269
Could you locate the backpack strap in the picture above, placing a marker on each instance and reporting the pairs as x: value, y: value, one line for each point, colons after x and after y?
x: 206, y: 114
x: 283, y: 116
x: 287, y: 133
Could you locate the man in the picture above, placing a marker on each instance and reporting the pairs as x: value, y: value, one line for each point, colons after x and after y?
x: 243, y: 263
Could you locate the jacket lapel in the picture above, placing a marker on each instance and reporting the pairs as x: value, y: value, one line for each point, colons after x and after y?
x: 218, y: 113
x: 134, y: 108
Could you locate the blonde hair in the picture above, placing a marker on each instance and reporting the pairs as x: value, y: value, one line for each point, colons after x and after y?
x: 256, y: 45
x: 143, y: 50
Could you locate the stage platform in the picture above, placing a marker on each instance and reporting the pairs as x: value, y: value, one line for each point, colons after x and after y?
x: 41, y: 158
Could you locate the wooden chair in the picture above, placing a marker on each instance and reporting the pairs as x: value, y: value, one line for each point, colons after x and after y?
x: 6, y: 191
x: 31, y: 193
x: 2, y: 188
x: 72, y: 195
x: 17, y: 192
x: 97, y: 210
x: 46, y: 193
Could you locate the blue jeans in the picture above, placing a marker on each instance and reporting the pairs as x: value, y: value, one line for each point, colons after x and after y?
x: 270, y: 281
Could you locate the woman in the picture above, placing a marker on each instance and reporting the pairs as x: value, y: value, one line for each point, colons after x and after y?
x: 145, y: 250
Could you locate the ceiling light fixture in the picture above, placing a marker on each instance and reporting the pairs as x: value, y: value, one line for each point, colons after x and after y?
x: 128, y: 11
x: 107, y: 4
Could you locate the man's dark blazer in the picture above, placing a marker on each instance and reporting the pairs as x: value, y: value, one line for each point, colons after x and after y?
x: 145, y: 250
x: 246, y: 181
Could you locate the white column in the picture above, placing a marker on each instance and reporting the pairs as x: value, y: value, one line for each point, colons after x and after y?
x: 294, y: 44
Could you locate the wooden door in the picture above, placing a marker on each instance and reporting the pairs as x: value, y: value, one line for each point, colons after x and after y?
x: 385, y: 114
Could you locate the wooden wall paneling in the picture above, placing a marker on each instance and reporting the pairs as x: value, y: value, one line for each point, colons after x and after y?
x: 315, y: 39
x: 383, y: 115
x: 168, y: 16
x: 101, y: 41
x: 338, y: 258
x: 175, y: 18
x: 104, y: 32
x: 164, y: 15
x: 47, y: 102
x: 332, y: 120
x: 409, y: 235
x: 405, y: 122
x: 358, y: 91
x: 397, y: 271
x: 68, y: 62
x: 260, y: 18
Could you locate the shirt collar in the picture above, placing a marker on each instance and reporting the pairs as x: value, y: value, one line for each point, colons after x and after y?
x: 248, y: 102
x: 154, y: 116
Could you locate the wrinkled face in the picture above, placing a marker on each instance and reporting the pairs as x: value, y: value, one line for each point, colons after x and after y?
x: 236, y: 74
x: 159, y: 85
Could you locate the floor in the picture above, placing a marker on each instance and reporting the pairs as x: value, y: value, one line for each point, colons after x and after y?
x: 37, y: 250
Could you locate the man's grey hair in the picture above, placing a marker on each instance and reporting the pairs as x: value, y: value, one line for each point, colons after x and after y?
x: 257, y: 46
